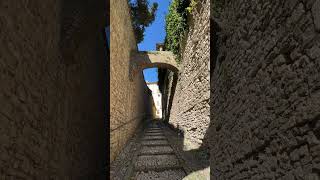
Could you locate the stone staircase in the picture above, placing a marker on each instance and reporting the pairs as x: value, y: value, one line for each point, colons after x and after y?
x: 156, y: 158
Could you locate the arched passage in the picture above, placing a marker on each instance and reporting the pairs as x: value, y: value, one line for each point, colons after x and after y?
x: 162, y: 60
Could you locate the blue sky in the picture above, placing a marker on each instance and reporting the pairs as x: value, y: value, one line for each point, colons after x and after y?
x: 151, y: 74
x: 155, y: 33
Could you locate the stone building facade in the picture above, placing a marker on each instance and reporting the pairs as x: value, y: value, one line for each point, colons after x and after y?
x: 157, y: 98
x: 265, y: 90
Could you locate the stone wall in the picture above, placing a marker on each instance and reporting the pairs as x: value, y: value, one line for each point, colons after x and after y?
x: 265, y: 91
x: 165, y: 86
x: 190, y: 106
x: 129, y: 100
x: 52, y: 90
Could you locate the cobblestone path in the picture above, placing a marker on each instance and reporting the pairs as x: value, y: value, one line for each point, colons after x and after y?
x: 157, y: 159
x: 154, y: 153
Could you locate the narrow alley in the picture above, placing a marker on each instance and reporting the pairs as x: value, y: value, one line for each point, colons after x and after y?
x: 160, y: 112
x: 155, y: 153
x: 234, y: 94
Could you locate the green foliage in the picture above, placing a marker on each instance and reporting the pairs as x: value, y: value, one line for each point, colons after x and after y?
x: 142, y: 16
x: 192, y: 5
x: 176, y: 26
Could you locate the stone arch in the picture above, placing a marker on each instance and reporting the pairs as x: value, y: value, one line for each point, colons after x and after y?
x: 148, y: 59
x: 160, y: 59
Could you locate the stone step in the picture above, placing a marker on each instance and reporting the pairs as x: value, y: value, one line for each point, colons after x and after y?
x: 154, y: 134
x: 156, y: 162
x: 153, y: 137
x: 154, y: 142
x: 176, y: 174
x: 156, y: 150
x: 154, y: 131
x: 154, y: 128
x: 154, y: 125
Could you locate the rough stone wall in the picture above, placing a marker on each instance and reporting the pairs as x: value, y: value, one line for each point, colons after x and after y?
x: 266, y: 90
x: 128, y: 99
x: 165, y: 88
x: 190, y: 106
x: 52, y: 113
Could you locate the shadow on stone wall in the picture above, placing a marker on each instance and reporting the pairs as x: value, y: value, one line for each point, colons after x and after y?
x: 215, y: 29
x: 196, y: 159
x: 265, y: 92
x: 53, y: 89
x: 201, y: 153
